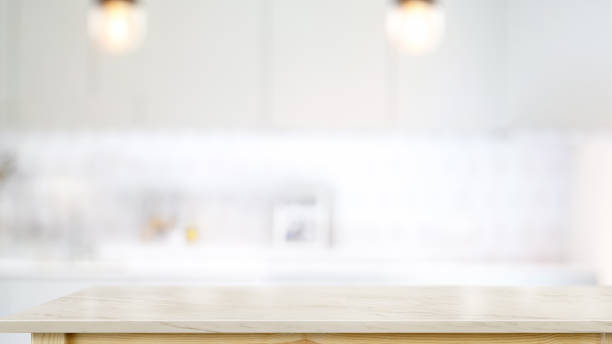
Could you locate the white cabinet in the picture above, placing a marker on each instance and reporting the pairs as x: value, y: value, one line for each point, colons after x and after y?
x: 201, y: 64
x: 560, y: 57
x: 116, y: 90
x: 327, y: 64
x: 198, y: 67
x: 4, y: 57
x: 317, y: 64
x: 461, y: 85
x: 51, y: 62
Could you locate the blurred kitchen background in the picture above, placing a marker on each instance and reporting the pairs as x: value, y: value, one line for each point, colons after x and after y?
x: 303, y: 142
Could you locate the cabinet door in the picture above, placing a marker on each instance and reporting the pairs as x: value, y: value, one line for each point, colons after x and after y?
x: 4, y: 60
x: 201, y: 64
x: 461, y: 85
x: 51, y: 61
x: 327, y: 64
x: 559, y: 55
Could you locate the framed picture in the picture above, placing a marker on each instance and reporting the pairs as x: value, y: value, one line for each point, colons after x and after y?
x: 302, y: 222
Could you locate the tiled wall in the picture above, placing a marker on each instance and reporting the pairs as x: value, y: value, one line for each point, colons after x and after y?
x: 474, y: 198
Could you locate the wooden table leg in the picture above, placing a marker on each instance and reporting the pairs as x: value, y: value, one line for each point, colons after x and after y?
x: 49, y: 338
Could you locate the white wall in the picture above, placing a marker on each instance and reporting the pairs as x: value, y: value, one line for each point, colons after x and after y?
x: 292, y: 64
x: 591, y: 222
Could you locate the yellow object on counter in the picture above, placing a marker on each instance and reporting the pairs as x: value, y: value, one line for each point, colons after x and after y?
x: 192, y: 234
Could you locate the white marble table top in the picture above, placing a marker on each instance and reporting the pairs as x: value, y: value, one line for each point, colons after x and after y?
x: 321, y: 309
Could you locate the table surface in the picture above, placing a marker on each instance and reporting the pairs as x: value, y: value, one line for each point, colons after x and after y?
x: 321, y: 309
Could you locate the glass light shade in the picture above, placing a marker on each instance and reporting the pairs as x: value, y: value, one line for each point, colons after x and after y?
x: 117, y: 26
x: 416, y: 26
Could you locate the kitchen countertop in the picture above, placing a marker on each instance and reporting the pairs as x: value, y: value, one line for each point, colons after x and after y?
x: 165, y: 309
x: 240, y: 268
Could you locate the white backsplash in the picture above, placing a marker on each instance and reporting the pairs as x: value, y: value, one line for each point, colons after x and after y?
x: 424, y: 197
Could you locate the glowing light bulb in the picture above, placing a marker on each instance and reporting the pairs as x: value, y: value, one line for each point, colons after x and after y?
x: 416, y: 26
x: 117, y: 26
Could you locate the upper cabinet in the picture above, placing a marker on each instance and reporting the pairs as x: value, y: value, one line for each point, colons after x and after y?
x: 201, y: 64
x: 560, y: 64
x: 316, y: 64
x: 327, y: 64
x: 47, y: 60
x: 198, y: 67
x: 4, y: 56
x: 460, y: 86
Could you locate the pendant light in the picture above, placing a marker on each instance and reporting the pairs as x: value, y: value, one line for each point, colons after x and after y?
x: 415, y: 27
x: 117, y: 26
